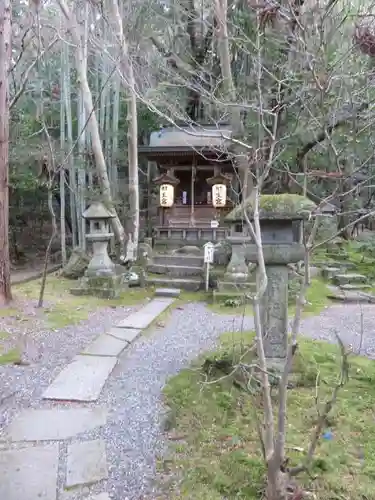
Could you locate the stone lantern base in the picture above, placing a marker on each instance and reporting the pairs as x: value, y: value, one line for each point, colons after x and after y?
x: 104, y: 287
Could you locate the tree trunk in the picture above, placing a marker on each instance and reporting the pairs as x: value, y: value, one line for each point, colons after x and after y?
x: 5, y: 50
x: 229, y: 90
x: 128, y: 77
x: 51, y: 240
x: 62, y: 168
x: 115, y: 129
x: 69, y: 137
x: 277, y: 482
x: 92, y: 121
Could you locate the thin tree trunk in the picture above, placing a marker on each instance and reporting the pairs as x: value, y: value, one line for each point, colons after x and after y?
x: 92, y: 122
x: 82, y: 133
x: 69, y: 130
x: 115, y: 131
x: 51, y: 240
x: 5, y: 52
x: 128, y: 76
x: 62, y: 169
x: 241, y: 156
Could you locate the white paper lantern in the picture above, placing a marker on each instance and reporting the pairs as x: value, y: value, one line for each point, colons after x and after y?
x: 219, y: 195
x: 166, y: 195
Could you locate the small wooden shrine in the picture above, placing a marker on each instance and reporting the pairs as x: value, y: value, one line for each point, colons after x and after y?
x: 198, y: 184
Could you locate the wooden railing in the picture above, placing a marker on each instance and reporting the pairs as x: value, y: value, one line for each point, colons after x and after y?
x: 192, y: 235
x: 201, y: 216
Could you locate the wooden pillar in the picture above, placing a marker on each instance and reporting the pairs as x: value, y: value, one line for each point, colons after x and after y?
x: 193, y: 171
x: 149, y: 208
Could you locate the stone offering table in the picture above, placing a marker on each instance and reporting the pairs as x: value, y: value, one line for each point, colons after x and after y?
x: 102, y: 277
x: 279, y: 216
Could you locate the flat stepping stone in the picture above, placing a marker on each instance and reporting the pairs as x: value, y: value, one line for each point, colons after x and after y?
x: 106, y: 345
x: 167, y: 292
x: 101, y: 496
x: 143, y: 318
x: 344, y: 279
x: 29, y: 473
x: 355, y: 286
x: 350, y: 296
x: 124, y: 334
x: 86, y: 463
x: 81, y: 380
x: 55, y: 424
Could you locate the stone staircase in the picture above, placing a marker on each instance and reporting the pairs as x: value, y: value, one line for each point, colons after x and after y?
x: 176, y: 270
x: 348, y: 286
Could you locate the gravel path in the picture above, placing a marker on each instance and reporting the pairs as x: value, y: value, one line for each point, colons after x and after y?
x: 348, y: 321
x: 133, y: 394
x: 47, y: 352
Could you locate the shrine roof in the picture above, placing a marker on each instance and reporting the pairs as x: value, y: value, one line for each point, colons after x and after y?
x: 187, y: 139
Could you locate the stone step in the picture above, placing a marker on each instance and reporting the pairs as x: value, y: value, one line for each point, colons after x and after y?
x: 175, y: 270
x: 167, y: 292
x: 178, y: 260
x: 330, y: 272
x: 351, y: 296
x: 355, y: 286
x: 189, y: 284
x: 344, y: 279
x: 177, y: 243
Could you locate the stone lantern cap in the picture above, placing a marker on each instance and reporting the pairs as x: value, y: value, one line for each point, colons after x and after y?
x: 97, y: 211
x: 275, y: 207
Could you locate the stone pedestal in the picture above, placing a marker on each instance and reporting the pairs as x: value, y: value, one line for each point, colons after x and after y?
x: 279, y: 216
x: 100, y: 264
x: 274, y: 312
x: 274, y: 303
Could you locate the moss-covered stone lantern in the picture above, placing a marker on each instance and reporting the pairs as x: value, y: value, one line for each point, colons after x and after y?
x: 101, y: 277
x: 278, y: 215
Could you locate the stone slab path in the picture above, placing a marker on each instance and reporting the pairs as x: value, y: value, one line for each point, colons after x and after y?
x: 29, y: 469
x: 109, y: 451
x: 82, y: 380
x: 87, y: 463
x: 29, y: 473
x: 143, y: 318
x: 55, y: 425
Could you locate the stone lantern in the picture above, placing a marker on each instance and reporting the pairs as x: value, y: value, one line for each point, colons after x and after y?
x: 99, y: 219
x: 101, y: 277
x: 279, y: 214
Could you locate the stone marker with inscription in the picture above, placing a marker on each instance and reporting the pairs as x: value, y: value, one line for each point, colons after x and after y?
x: 278, y: 217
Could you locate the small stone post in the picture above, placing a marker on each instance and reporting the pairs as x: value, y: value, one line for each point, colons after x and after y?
x: 280, y: 248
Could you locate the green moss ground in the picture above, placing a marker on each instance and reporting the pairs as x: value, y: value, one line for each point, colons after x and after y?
x: 214, y: 450
x: 64, y: 309
x: 316, y: 301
